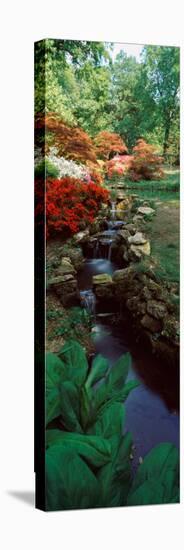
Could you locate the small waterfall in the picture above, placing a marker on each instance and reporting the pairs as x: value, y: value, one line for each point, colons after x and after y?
x: 109, y: 251
x: 113, y: 210
x: 96, y: 250
x: 88, y: 300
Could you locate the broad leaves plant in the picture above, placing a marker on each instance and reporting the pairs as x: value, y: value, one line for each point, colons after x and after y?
x: 87, y: 452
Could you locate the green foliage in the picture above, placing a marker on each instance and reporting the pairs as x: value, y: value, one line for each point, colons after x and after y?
x: 45, y: 169
x: 88, y: 459
x: 157, y: 479
x: 89, y: 405
x: 70, y: 326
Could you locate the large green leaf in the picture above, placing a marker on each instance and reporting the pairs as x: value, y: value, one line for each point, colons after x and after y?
x: 117, y: 375
x: 55, y: 374
x: 110, y: 421
x: 98, y: 370
x: 115, y: 477
x: 70, y: 484
x: 157, y: 478
x: 96, y: 450
x: 127, y: 388
x: 52, y: 405
x: 69, y: 399
x: 55, y: 371
x: 86, y: 407
x: 74, y: 359
x: 121, y: 481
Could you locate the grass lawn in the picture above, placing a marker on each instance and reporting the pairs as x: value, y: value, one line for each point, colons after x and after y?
x: 164, y: 189
x: 163, y: 231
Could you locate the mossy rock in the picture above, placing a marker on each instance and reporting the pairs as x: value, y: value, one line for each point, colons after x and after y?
x: 101, y: 279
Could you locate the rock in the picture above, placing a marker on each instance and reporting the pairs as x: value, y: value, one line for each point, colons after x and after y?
x: 123, y: 235
x: 137, y: 219
x: 134, y: 253
x: 131, y: 228
x: 102, y: 278
x: 171, y: 329
x: 123, y: 206
x: 95, y: 227
x: 103, y: 286
x: 134, y: 305
x: 156, y: 309
x: 65, y: 286
x: 138, y: 238
x: 125, y: 284
x: 153, y: 325
x: 60, y: 279
x: 143, y: 249
x: 81, y: 236
x: 125, y: 256
x: 122, y: 275
x: 145, y: 210
x: 65, y: 267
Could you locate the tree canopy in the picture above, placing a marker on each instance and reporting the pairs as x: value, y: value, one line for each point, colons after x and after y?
x: 88, y: 89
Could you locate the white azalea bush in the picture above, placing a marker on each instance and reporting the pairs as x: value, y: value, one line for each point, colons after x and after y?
x: 64, y: 167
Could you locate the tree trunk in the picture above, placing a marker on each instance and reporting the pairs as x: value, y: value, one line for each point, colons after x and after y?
x: 166, y: 137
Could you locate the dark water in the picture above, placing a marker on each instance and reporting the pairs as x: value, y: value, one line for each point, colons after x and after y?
x: 149, y: 407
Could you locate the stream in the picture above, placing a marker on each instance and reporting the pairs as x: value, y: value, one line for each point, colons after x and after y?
x: 151, y: 408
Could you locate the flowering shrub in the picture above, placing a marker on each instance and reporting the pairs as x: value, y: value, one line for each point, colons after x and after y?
x: 68, y: 168
x: 69, y: 202
x: 145, y: 162
x: 118, y: 166
x: 108, y: 143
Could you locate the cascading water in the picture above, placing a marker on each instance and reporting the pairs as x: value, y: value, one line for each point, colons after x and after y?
x: 109, y: 251
x: 147, y: 417
x: 113, y: 210
x: 88, y: 300
x: 96, y: 249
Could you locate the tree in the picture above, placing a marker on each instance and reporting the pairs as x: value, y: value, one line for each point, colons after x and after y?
x: 70, y: 142
x: 108, y: 144
x: 145, y: 162
x: 132, y: 104
x: 162, y: 67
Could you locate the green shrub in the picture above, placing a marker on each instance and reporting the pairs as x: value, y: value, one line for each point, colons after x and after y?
x: 45, y: 169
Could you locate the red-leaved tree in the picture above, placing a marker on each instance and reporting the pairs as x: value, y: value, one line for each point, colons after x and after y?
x: 108, y: 144
x: 145, y: 163
x: 71, y: 142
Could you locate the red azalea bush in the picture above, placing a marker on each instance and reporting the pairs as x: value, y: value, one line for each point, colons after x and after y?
x: 118, y: 166
x: 145, y: 163
x: 69, y: 202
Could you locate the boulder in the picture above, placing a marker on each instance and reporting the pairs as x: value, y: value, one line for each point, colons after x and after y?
x: 65, y: 287
x: 137, y: 219
x: 153, y: 325
x: 143, y: 249
x: 138, y: 238
x: 158, y: 310
x: 65, y: 268
x: 102, y: 278
x: 123, y: 235
x: 122, y: 275
x: 81, y: 236
x: 103, y: 286
x: 131, y: 228
x: 134, y: 253
x: 137, y: 307
x: 145, y: 210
